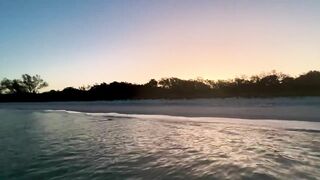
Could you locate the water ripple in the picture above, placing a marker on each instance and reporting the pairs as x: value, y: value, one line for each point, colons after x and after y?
x: 55, y: 145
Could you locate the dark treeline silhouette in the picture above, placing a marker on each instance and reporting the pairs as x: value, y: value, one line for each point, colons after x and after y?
x: 265, y: 85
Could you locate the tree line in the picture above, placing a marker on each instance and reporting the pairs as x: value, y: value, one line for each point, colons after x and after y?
x: 271, y: 84
x: 27, y: 84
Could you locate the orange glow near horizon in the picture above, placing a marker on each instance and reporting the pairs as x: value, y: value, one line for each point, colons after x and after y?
x: 134, y: 42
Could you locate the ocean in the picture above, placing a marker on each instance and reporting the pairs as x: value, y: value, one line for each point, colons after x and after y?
x: 232, y: 138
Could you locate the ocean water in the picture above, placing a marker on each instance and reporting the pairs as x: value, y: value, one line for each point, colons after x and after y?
x: 54, y: 141
x: 304, y: 108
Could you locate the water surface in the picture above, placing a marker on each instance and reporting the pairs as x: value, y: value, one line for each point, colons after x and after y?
x: 299, y: 108
x: 41, y: 143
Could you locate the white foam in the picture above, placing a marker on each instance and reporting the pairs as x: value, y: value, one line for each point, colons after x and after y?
x: 61, y: 110
x: 285, y: 124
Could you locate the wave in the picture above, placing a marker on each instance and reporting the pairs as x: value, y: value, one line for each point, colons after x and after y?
x: 305, y: 130
x: 61, y: 110
x: 298, y: 109
x: 290, y: 125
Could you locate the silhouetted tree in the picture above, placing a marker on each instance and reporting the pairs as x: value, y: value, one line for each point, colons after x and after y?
x: 84, y: 88
x: 311, y: 78
x: 28, y: 84
x: 152, y: 83
x: 12, y: 86
x: 263, y: 85
x: 269, y: 81
x: 32, y: 84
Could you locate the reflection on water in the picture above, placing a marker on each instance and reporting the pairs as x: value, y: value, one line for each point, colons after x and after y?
x: 60, y: 145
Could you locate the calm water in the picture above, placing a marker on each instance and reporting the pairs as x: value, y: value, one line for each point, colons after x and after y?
x: 253, y: 108
x: 37, y: 143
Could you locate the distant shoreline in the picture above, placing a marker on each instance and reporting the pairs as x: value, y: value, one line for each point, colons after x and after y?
x: 301, y: 109
x: 260, y: 86
x: 36, y: 98
x: 29, y: 98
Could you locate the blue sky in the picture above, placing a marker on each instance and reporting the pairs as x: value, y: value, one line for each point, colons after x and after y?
x: 77, y: 42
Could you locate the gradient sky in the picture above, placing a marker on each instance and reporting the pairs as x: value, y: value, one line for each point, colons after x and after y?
x: 79, y: 42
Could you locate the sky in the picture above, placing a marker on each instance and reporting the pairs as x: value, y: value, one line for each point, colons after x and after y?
x: 81, y: 42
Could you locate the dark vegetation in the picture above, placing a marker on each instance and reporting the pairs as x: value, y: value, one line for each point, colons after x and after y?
x: 267, y: 85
